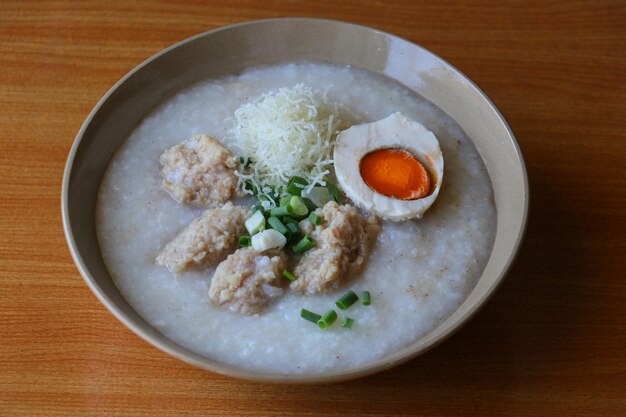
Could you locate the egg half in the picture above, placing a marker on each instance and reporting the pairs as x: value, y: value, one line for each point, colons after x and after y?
x: 392, y: 167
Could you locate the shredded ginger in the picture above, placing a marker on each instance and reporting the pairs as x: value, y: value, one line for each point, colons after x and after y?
x: 285, y: 132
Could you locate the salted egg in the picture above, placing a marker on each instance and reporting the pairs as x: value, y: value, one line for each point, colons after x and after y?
x: 392, y: 167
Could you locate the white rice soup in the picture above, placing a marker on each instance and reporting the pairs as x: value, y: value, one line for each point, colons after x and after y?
x: 418, y: 273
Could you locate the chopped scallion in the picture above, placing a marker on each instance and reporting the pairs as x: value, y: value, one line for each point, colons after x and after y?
x: 318, y: 195
x: 293, y: 228
x: 245, y: 241
x: 277, y: 225
x: 296, y: 185
x: 346, y: 300
x: 327, y: 319
x: 315, y: 219
x: 347, y: 322
x: 287, y: 274
x: 310, y: 316
x: 298, y: 206
x: 267, y: 201
x: 255, y: 223
x: 309, y: 204
x: 334, y: 191
x: 268, y: 239
x: 365, y: 298
x: 285, y: 200
x: 250, y: 187
x: 281, y: 211
x: 288, y: 220
x: 303, y: 245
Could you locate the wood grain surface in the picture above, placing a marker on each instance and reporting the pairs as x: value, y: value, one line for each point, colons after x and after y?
x: 551, y: 342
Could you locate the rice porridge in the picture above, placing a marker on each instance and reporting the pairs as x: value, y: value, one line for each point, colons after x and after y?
x: 418, y: 272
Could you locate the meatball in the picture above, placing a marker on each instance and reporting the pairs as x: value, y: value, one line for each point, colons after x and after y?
x: 342, y: 244
x: 207, y: 240
x: 247, y: 280
x: 199, y: 170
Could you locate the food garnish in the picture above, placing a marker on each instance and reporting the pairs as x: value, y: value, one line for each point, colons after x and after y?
x: 303, y: 245
x: 309, y: 315
x: 347, y: 322
x: 245, y: 241
x: 284, y: 134
x: 268, y: 239
x: 327, y: 319
x: 287, y: 274
x: 365, y: 298
x: 392, y: 167
x: 346, y: 300
x: 315, y: 219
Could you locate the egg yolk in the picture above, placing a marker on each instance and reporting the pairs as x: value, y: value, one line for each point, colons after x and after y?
x: 395, y: 173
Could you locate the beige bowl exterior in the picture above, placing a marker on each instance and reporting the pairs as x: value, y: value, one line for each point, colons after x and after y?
x: 231, y: 49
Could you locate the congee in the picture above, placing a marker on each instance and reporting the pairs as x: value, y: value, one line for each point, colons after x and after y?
x: 296, y: 218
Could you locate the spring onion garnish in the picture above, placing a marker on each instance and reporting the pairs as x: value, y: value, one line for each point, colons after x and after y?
x: 365, y: 298
x: 315, y: 219
x: 255, y: 223
x: 309, y: 204
x: 298, y: 206
x: 327, y: 319
x: 266, y: 199
x: 250, y: 187
x: 277, y: 225
x: 281, y: 211
x: 287, y: 274
x: 258, y: 207
x: 268, y: 239
x: 347, y: 322
x: 285, y: 200
x: 296, y: 185
x: 303, y: 245
x: 310, y: 316
x: 287, y: 220
x: 346, y: 300
x: 318, y: 195
x: 293, y: 228
x: 333, y: 191
x: 245, y: 241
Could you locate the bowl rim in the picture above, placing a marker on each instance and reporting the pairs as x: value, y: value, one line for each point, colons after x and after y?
x: 182, y: 353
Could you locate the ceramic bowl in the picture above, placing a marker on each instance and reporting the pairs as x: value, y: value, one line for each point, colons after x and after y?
x: 231, y: 49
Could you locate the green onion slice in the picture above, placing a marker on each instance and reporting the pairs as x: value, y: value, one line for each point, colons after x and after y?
x: 281, y: 211
x: 327, y: 319
x: 250, y: 187
x: 255, y: 223
x: 315, y: 219
x: 277, y: 225
x: 287, y: 220
x: 303, y: 245
x: 347, y: 322
x: 310, y: 316
x: 365, y: 298
x: 287, y: 274
x: 346, y: 300
x: 285, y: 200
x: 298, y: 206
x: 245, y: 241
x: 296, y: 185
x: 293, y: 228
x: 258, y: 207
x: 333, y: 191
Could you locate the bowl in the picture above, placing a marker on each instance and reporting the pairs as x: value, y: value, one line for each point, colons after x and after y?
x: 231, y: 49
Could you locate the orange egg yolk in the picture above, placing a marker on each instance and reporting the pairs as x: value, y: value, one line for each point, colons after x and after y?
x: 395, y: 173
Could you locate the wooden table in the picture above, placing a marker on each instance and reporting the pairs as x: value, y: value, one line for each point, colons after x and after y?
x: 551, y: 342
